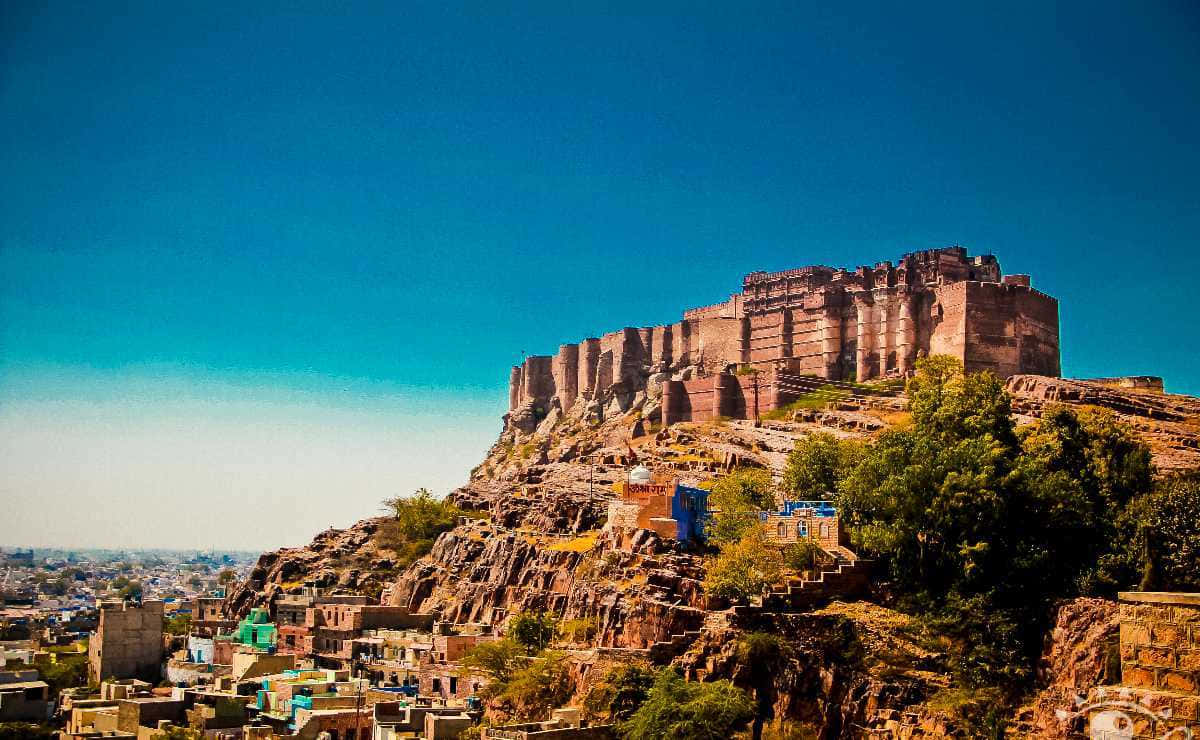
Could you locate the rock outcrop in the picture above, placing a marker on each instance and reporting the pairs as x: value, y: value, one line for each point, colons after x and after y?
x: 336, y: 559
x: 1081, y: 653
x: 483, y: 573
x: 1169, y: 423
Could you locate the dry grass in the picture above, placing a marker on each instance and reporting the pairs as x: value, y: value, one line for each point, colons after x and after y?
x: 583, y: 543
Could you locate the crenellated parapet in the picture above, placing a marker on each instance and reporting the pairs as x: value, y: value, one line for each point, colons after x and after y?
x: 837, y: 324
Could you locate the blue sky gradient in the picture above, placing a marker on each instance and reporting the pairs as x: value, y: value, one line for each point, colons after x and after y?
x: 342, y: 221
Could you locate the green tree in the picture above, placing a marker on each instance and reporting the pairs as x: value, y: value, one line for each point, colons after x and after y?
x: 26, y: 731
x: 617, y: 695
x: 765, y: 654
x: 227, y: 576
x: 816, y: 465
x: 578, y: 630
x: 497, y: 660
x: 421, y: 516
x: 737, y: 499
x: 983, y: 530
x: 1168, y: 545
x: 742, y: 569
x: 802, y: 555
x: 67, y: 671
x: 180, y: 624
x: 534, y: 630
x: 675, y: 708
x: 131, y: 591
x: 1081, y: 470
x: 535, y: 689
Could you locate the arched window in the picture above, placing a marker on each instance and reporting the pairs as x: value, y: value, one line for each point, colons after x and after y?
x: 824, y: 530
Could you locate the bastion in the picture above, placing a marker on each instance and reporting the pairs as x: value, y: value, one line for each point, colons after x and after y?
x: 823, y: 322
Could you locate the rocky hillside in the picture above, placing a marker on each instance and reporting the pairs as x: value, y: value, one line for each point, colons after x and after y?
x: 544, y: 491
x: 1168, y: 422
x: 339, y: 559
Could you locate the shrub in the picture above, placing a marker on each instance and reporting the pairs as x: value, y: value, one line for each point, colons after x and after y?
x: 675, y: 708
x: 534, y: 630
x: 417, y: 521
x: 619, y: 694
x: 742, y: 569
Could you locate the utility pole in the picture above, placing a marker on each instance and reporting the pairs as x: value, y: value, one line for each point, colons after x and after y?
x: 757, y: 421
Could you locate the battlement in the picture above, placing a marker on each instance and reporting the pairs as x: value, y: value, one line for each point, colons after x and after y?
x: 832, y: 323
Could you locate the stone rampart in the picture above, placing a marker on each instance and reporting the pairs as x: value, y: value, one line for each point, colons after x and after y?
x: 834, y: 324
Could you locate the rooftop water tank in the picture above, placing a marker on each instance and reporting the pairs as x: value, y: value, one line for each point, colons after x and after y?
x: 640, y: 474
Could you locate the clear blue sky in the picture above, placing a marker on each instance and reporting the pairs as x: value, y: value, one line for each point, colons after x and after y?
x: 281, y: 258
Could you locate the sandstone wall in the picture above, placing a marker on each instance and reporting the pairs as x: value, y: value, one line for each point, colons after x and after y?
x: 1160, y: 641
x: 127, y: 642
x: 1010, y: 329
x: 834, y: 324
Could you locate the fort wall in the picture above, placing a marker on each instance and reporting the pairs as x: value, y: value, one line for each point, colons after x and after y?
x: 835, y: 324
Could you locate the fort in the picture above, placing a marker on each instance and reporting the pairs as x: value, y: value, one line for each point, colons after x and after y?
x: 822, y: 322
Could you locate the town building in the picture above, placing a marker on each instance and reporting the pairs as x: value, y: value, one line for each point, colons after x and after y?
x: 24, y: 697
x: 813, y: 521
x: 208, y: 617
x: 670, y: 509
x: 327, y: 627
x: 255, y: 631
x: 127, y: 642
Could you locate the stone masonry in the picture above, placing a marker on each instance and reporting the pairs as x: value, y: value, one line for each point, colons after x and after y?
x: 1159, y: 695
x: 127, y: 642
x: 1160, y: 641
x: 834, y: 324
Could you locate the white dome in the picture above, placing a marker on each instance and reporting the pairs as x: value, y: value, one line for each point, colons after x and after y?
x: 640, y: 474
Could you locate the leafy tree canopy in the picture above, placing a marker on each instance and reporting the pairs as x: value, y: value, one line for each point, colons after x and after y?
x: 738, y: 497
x: 982, y: 527
x: 742, y: 569
x: 619, y: 693
x: 416, y: 522
x: 675, y: 708
x: 497, y: 660
x: 534, y: 630
x: 816, y: 465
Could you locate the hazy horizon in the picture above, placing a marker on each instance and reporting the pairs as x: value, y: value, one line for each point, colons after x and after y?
x: 261, y: 267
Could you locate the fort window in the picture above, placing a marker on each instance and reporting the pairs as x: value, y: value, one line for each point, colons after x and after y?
x: 782, y: 529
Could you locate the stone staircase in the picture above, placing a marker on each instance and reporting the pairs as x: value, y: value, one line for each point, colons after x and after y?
x: 846, y: 577
x: 664, y: 651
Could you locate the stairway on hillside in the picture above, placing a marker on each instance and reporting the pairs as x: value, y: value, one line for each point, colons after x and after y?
x: 847, y: 577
